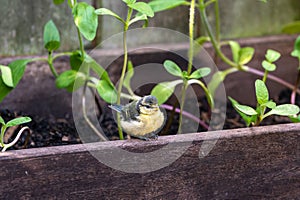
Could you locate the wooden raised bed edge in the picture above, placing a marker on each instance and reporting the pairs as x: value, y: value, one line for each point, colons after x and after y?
x: 249, y: 163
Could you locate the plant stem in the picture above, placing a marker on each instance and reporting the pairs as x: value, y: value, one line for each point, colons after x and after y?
x: 271, y: 77
x: 81, y: 44
x: 190, y: 63
x: 6, y: 146
x: 61, y: 55
x: 210, y: 34
x: 293, y: 95
x: 218, y: 25
x: 124, y: 69
x: 50, y: 62
x: 265, y: 76
x: 3, y: 129
x: 91, y: 125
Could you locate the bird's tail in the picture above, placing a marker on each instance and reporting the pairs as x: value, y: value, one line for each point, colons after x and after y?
x: 117, y: 108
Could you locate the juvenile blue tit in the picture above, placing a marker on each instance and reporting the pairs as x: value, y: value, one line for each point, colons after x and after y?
x: 142, y: 118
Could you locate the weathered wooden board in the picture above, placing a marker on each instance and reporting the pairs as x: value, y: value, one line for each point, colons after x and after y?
x: 252, y: 163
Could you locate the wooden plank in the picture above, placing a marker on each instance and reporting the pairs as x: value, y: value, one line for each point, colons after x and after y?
x: 254, y: 163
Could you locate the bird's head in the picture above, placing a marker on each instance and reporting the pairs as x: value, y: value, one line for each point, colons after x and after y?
x: 147, y: 105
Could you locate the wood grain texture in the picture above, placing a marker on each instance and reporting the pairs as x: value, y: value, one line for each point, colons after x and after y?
x: 254, y: 163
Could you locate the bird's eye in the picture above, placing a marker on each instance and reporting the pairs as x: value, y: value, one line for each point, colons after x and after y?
x: 147, y: 106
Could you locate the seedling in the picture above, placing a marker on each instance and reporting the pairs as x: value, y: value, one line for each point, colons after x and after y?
x: 255, y: 116
x: 5, y: 126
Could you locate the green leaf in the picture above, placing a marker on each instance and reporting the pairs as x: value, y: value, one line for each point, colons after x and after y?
x: 6, y: 76
x: 173, y: 68
x: 296, y: 51
x: 71, y: 3
x: 86, y: 20
x: 292, y: 28
x: 245, y: 109
x: 245, y: 55
x: 164, y: 90
x: 2, y: 121
x: 268, y: 66
x: 129, y: 1
x: 67, y: 80
x: 235, y: 49
x: 104, y: 11
x: 4, y: 90
x: 199, y: 73
x: 129, y: 75
x: 161, y: 5
x: 216, y: 80
x: 272, y: 55
x: 51, y: 36
x: 98, y: 69
x: 143, y: 8
x: 284, y: 110
x: 17, y: 68
x: 247, y: 118
x: 76, y: 60
x: 269, y: 104
x: 106, y: 91
x: 261, y: 90
x: 57, y: 2
x: 295, y: 119
x: 138, y: 18
x: 18, y: 121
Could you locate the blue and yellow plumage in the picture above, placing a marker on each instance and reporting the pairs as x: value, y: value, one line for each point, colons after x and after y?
x: 141, y: 118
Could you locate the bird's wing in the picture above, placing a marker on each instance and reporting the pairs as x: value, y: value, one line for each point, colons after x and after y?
x: 117, y: 108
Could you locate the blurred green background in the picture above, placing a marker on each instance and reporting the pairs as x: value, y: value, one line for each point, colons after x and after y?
x: 22, y: 22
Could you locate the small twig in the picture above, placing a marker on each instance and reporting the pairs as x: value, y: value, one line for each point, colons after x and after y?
x: 91, y: 125
x: 189, y: 115
x: 6, y: 146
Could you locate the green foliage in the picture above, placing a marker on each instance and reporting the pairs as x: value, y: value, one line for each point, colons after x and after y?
x: 161, y: 5
x: 11, y: 76
x: 6, y: 76
x: 86, y: 20
x: 172, y: 68
x: 255, y: 116
x: 164, y: 90
x: 143, y: 8
x: 13, y: 122
x: 105, y: 11
x: 18, y: 121
x: 296, y: 51
x: 51, y: 36
x: 241, y: 56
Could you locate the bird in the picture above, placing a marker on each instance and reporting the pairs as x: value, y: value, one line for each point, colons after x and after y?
x: 143, y: 118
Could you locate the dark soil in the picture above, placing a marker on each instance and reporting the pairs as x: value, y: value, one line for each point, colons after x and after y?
x: 52, y: 132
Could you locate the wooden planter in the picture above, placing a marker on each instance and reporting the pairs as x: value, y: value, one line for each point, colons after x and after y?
x: 249, y: 163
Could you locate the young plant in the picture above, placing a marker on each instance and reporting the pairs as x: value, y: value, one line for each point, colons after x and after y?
x: 86, y: 21
x: 165, y: 89
x: 240, y: 56
x: 143, y: 12
x: 6, y: 125
x: 296, y: 53
x: 255, y: 116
